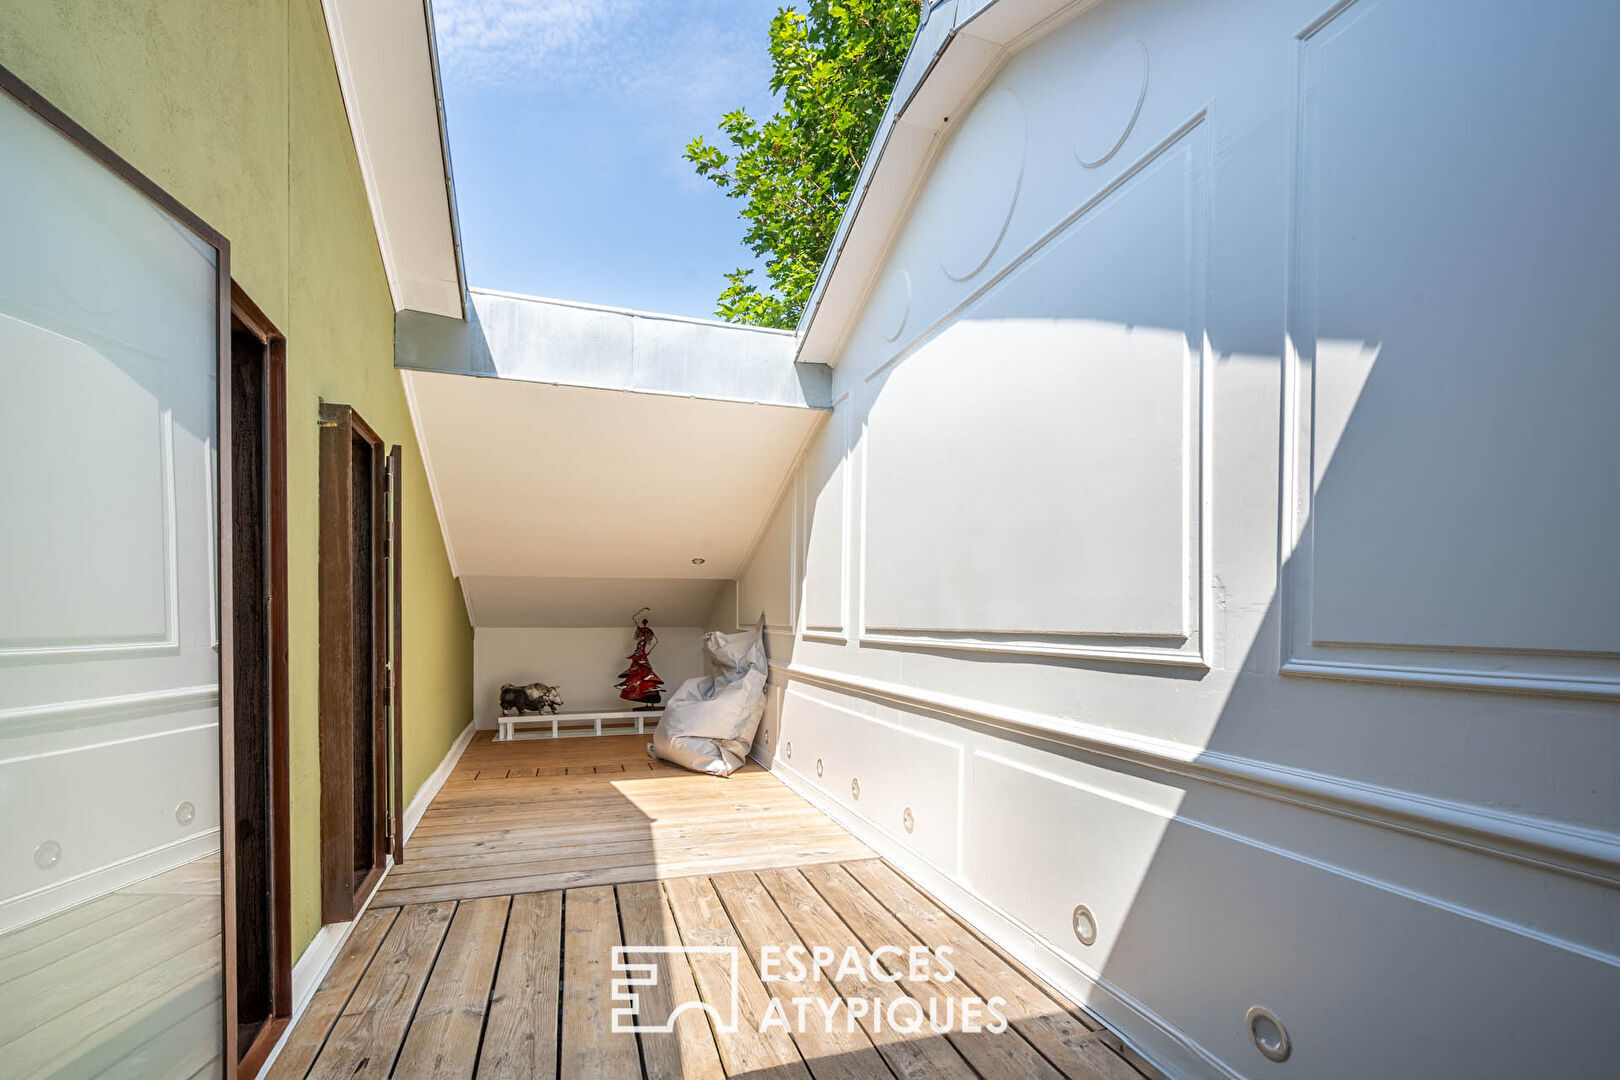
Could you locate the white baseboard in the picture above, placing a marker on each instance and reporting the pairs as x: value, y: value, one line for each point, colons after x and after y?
x: 323, y: 949
x: 42, y: 903
x: 430, y: 787
x: 1161, y: 1044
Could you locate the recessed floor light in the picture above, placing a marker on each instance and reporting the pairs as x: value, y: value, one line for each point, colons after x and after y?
x: 1085, y: 925
x: 1268, y: 1034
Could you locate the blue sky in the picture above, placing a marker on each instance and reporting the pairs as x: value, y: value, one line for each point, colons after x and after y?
x: 567, y: 119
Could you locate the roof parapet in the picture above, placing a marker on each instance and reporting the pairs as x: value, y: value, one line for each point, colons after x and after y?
x: 532, y: 339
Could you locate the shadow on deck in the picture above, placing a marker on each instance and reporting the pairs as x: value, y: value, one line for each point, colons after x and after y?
x: 774, y: 943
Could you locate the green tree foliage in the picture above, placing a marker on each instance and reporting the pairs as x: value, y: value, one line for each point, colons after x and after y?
x: 834, y: 68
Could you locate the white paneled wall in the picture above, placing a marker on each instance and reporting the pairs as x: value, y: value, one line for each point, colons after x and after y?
x: 109, y: 664
x: 1215, y: 530
x: 582, y: 662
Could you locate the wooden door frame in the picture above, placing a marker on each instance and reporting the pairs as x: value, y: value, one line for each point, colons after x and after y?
x: 341, y: 895
x: 395, y: 471
x: 36, y: 103
x: 250, y: 317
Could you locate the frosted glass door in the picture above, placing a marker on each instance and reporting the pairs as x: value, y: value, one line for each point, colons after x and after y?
x: 110, y: 948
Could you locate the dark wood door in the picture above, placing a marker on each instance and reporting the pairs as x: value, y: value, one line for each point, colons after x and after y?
x: 258, y: 473
x: 354, y: 641
x: 396, y: 673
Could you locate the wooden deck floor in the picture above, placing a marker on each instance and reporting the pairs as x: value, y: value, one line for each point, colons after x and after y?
x: 536, y: 814
x: 128, y: 982
x: 491, y: 955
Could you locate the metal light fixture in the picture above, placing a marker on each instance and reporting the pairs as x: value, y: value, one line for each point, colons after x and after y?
x: 855, y: 789
x: 818, y: 767
x: 1268, y: 1034
x: 1085, y: 925
x: 908, y: 820
x: 699, y: 561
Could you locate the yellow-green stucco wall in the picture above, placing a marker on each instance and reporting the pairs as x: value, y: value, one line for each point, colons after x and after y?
x: 233, y: 107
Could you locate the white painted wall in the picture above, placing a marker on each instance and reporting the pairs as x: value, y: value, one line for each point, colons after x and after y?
x: 583, y: 662
x: 1342, y: 292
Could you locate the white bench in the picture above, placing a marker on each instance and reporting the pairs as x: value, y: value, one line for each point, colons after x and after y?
x: 574, y: 724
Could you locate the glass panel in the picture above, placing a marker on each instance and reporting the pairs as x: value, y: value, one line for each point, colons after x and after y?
x: 109, y: 670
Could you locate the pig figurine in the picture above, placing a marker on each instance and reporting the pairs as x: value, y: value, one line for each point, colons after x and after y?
x: 532, y: 698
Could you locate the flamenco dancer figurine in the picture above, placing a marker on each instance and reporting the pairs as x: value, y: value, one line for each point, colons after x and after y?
x: 638, y: 682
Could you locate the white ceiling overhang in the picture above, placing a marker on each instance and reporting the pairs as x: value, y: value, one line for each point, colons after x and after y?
x: 959, y: 47
x: 582, y: 458
x: 388, y: 69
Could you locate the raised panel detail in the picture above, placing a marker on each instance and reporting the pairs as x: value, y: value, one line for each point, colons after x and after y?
x: 896, y: 769
x: 1454, y: 435
x: 89, y: 503
x: 1041, y: 453
x: 108, y: 803
x: 766, y: 586
x: 826, y: 517
x: 1248, y: 923
x: 978, y: 177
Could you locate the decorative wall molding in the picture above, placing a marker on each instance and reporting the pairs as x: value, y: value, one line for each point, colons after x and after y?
x: 894, y: 301
x: 985, y: 162
x: 1165, y: 1046
x: 47, y: 900
x: 793, y: 504
x: 170, y: 642
x: 1074, y: 646
x: 1193, y: 650
x: 836, y: 634
x: 1587, y: 854
x: 108, y: 709
x: 1110, y: 102
x: 906, y: 743
x: 1304, y: 652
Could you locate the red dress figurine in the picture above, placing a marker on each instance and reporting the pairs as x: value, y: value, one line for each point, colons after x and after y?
x: 638, y: 682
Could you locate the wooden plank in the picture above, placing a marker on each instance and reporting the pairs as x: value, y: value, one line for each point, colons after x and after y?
x: 326, y: 1006
x: 94, y: 1034
x: 520, y: 1038
x: 920, y: 1056
x: 181, y: 1049
x: 367, y: 1036
x: 540, y: 860
x: 27, y: 1003
x: 612, y: 875
x: 561, y: 817
x: 443, y: 1037
x: 567, y: 838
x: 51, y: 940
x: 520, y: 792
x: 689, y: 1050
x: 1048, y: 1024
x: 834, y: 1048
x: 1007, y: 1056
x: 540, y: 812
x: 590, y: 1047
x: 747, y: 1050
